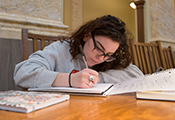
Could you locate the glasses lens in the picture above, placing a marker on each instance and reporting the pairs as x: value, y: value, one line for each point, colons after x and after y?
x: 97, y: 52
x: 109, y: 58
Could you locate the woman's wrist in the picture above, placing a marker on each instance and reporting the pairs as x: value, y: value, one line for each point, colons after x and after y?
x: 61, y: 80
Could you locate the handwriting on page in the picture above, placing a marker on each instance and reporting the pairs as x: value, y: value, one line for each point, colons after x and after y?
x: 162, y: 81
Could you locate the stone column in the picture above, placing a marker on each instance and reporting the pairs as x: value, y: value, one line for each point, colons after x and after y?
x: 162, y: 18
x: 76, y: 14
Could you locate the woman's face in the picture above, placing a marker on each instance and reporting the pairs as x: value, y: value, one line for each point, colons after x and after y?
x: 93, y: 56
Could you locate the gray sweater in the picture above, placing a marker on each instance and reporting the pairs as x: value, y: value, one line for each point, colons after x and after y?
x: 42, y: 67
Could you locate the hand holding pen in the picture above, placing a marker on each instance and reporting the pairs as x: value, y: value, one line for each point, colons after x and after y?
x: 85, y: 61
x: 85, y: 78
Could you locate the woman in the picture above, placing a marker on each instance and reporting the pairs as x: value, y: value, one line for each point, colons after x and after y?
x: 104, y: 43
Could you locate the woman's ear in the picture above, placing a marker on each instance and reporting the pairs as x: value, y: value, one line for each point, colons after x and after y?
x: 86, y: 36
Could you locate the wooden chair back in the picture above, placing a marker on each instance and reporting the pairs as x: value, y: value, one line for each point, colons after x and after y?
x: 168, y: 57
x: 146, y: 56
x: 39, y: 42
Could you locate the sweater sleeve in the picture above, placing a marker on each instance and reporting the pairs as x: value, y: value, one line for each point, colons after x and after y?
x: 38, y: 70
x: 115, y: 76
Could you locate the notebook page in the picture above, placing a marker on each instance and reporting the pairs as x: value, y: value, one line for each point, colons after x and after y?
x: 160, y: 81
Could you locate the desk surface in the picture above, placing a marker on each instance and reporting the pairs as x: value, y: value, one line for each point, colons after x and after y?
x: 118, y: 107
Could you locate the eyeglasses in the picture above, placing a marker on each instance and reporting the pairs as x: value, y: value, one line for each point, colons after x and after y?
x: 98, y: 52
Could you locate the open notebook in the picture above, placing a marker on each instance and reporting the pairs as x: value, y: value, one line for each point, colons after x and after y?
x: 100, y: 89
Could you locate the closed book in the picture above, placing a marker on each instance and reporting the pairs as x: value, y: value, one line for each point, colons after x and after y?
x: 25, y: 102
x: 156, y: 95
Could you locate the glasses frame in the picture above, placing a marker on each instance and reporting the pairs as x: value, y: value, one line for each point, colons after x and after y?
x: 104, y: 55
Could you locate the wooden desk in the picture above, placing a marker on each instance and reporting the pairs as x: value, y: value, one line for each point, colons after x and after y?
x: 118, y: 107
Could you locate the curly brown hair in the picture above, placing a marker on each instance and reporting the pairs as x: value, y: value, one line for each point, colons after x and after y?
x: 111, y: 27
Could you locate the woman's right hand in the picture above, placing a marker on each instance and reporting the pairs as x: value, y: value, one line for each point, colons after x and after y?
x: 79, y: 79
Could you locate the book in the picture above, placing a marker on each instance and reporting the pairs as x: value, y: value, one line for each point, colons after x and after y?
x: 156, y: 95
x: 100, y: 89
x: 25, y: 102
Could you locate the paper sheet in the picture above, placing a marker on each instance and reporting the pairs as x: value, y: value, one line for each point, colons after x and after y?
x: 160, y: 81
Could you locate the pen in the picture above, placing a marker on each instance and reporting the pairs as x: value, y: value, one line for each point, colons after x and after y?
x: 83, y: 55
x: 84, y: 59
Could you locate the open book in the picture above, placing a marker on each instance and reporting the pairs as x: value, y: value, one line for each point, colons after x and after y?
x: 156, y: 95
x: 100, y: 89
x: 25, y: 102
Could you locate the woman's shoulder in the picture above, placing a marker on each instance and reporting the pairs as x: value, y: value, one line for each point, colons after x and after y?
x: 58, y: 45
x: 131, y: 70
